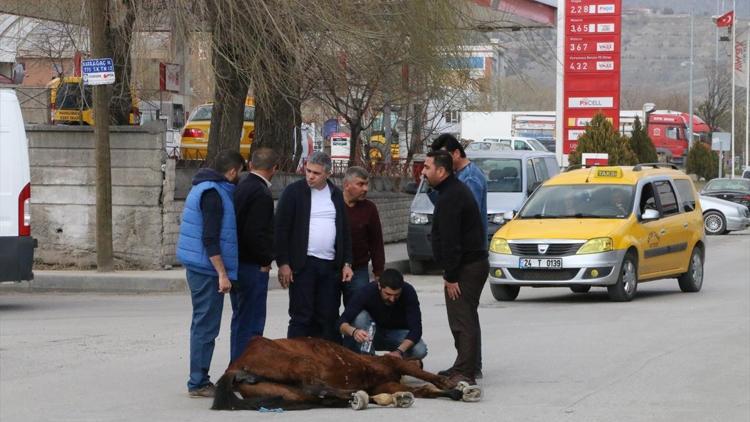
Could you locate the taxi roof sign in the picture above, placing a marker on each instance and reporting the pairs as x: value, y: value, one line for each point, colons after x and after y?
x: 613, y: 172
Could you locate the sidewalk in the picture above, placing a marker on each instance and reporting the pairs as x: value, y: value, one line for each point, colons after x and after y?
x: 166, y: 281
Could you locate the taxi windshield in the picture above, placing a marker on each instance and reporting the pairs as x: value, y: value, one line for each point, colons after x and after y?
x: 580, y: 201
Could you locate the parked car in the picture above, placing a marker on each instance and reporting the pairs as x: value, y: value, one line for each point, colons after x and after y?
x: 746, y: 173
x: 518, y: 143
x: 548, y: 141
x: 488, y: 146
x: 511, y: 177
x: 735, y: 190
x: 722, y: 217
x: 16, y: 244
x: 194, y: 142
x: 610, y: 227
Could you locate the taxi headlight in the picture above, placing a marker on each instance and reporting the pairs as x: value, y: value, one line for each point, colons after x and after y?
x: 499, y: 245
x: 596, y: 245
x: 418, y: 218
x: 498, y: 219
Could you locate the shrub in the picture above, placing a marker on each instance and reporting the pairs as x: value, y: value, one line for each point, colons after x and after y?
x: 600, y: 137
x: 702, y: 161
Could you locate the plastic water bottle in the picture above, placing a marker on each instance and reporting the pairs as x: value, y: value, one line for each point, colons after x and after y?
x: 366, y: 346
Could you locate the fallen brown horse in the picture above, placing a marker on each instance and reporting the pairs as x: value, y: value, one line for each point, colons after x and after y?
x: 305, y: 373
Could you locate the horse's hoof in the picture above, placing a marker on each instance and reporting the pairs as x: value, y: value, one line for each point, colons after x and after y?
x: 461, y: 386
x: 359, y: 400
x: 403, y: 399
x: 472, y: 393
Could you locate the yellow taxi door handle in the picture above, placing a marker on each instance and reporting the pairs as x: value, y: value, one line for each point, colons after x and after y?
x: 663, y: 231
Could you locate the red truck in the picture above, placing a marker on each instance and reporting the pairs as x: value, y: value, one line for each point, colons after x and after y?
x: 668, y: 130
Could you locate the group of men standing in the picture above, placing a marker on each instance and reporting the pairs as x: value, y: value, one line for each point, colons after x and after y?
x: 323, y: 239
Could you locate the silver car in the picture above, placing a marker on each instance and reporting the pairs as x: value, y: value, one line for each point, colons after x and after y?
x: 511, y: 177
x: 721, y: 217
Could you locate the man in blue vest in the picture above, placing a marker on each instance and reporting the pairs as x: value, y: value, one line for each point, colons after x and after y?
x: 207, y: 247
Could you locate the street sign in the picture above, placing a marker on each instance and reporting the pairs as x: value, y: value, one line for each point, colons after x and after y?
x: 591, y: 65
x: 721, y: 141
x: 98, y: 71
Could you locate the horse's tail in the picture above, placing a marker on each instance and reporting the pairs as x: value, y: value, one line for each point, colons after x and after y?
x: 226, y: 399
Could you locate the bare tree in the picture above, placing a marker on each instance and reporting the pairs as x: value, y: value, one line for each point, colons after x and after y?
x: 718, y: 101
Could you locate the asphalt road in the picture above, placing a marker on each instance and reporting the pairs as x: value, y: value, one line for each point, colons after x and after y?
x: 549, y: 356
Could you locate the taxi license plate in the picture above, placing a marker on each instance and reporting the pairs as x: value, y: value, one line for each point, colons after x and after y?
x: 554, y: 263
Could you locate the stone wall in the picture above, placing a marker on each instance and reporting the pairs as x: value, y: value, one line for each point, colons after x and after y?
x: 148, y: 192
x: 393, y: 206
x: 63, y: 179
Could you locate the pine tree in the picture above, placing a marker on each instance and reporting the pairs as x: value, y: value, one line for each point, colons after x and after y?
x: 641, y: 144
x: 600, y: 137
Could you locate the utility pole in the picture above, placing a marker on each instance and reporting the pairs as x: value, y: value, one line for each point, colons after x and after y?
x: 690, y: 91
x: 97, y: 32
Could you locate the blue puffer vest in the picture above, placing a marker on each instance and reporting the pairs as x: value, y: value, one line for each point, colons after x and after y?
x: 190, y: 250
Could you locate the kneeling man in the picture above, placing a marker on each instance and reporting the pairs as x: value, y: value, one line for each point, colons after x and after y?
x: 392, y: 304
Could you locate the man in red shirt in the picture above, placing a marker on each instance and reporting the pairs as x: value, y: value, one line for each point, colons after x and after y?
x: 367, y: 234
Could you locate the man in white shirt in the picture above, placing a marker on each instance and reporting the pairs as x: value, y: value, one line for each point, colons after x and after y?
x: 313, y: 250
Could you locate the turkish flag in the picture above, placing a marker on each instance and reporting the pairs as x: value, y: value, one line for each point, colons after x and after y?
x: 727, y: 19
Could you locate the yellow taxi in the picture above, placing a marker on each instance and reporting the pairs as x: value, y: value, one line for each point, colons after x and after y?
x: 610, y: 227
x: 194, y: 141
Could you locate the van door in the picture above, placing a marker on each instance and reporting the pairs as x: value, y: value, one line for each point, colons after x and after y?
x: 16, y: 243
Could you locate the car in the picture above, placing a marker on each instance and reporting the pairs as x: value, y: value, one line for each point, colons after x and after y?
x: 609, y: 227
x: 511, y: 177
x: 746, y: 173
x: 194, y: 141
x: 518, y: 143
x: 722, y: 217
x: 735, y: 190
x: 549, y: 142
x: 488, y: 146
x: 16, y: 243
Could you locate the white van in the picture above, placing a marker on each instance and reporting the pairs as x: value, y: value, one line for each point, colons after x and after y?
x: 16, y: 244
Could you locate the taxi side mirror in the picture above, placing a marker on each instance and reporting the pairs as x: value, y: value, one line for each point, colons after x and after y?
x: 650, y: 214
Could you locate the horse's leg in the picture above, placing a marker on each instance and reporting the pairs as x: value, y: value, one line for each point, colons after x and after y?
x: 293, y: 398
x: 410, y: 368
x: 427, y: 391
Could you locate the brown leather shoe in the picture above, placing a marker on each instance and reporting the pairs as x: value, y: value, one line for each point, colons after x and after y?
x: 207, y: 390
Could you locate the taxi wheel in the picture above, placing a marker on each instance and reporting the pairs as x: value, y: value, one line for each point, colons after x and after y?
x: 714, y: 223
x: 580, y: 288
x: 504, y: 293
x: 627, y: 283
x: 692, y: 280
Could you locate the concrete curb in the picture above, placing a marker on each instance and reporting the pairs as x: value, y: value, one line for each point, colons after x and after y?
x: 128, y: 282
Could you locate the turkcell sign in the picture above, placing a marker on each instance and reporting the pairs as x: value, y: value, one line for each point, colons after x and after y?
x: 98, y: 71
x: 590, y: 66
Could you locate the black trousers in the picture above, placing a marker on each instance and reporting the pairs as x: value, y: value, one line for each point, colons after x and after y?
x: 463, y: 317
x: 314, y: 298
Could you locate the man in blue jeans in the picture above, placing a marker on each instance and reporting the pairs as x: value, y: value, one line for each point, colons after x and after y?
x: 393, y: 306
x: 254, y: 207
x: 207, y: 247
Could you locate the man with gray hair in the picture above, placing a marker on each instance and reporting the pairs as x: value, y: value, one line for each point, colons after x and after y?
x: 313, y: 250
x: 253, y: 205
x: 367, y: 233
